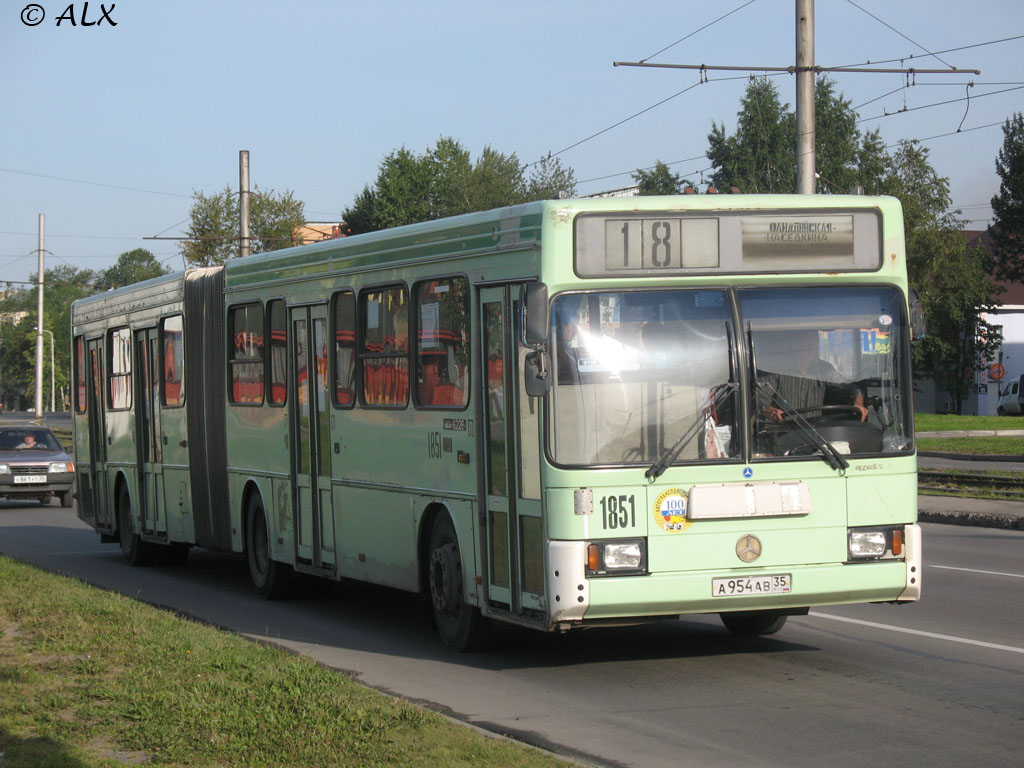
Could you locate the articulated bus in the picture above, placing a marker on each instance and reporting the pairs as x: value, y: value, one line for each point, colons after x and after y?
x: 564, y: 414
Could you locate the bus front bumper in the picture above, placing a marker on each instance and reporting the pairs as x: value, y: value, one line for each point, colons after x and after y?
x: 576, y: 599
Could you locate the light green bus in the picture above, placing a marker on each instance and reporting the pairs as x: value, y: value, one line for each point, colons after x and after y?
x: 563, y: 414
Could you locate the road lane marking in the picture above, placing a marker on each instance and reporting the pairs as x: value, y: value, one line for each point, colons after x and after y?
x: 933, y: 635
x: 974, y: 570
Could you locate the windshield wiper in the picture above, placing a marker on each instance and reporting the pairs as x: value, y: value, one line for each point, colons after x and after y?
x: 828, y: 451
x: 725, y: 391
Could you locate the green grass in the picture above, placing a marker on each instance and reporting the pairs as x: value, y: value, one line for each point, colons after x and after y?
x: 90, y: 678
x: 940, y: 422
x: 996, y: 446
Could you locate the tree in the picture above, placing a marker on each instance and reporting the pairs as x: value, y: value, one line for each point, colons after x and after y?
x: 444, y: 181
x: 659, y: 181
x: 132, y: 267
x: 951, y: 278
x: 761, y: 156
x: 1008, y: 206
x: 213, y: 230
x: 62, y: 285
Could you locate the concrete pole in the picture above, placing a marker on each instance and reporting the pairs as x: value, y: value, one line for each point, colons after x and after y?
x: 243, y: 199
x: 805, y: 179
x: 39, y: 323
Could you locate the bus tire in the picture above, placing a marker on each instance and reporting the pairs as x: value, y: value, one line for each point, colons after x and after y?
x: 271, y: 578
x: 136, y: 551
x: 460, y: 625
x: 753, y: 623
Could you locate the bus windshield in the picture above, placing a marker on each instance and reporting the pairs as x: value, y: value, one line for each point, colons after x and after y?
x: 637, y: 371
x: 832, y: 356
x: 634, y: 371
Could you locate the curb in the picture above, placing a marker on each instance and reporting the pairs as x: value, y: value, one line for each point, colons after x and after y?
x: 977, y: 519
x: 970, y: 456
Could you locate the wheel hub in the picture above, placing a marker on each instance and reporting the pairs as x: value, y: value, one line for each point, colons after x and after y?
x: 442, y: 577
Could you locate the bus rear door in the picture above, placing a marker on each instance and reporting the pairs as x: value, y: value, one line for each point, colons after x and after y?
x: 148, y: 432
x: 514, y: 527
x: 311, y: 427
x: 97, y: 470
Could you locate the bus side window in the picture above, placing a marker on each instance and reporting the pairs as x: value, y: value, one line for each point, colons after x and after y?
x: 119, y: 376
x: 384, y: 354
x: 245, y: 354
x: 81, y: 402
x: 442, y: 343
x: 173, y: 347
x: 277, y: 360
x: 343, y: 323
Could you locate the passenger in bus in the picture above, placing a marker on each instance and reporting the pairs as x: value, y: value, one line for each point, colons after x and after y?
x: 567, y: 347
x: 810, y: 381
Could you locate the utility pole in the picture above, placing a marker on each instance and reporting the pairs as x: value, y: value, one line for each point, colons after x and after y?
x: 805, y: 179
x: 243, y: 207
x: 39, y: 324
x: 805, y: 71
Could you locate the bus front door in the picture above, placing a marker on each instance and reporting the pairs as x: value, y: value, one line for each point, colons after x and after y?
x: 97, y: 471
x: 514, y: 525
x: 311, y: 428
x: 148, y: 432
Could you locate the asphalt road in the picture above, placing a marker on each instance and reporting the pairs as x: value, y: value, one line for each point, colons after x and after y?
x: 939, y: 683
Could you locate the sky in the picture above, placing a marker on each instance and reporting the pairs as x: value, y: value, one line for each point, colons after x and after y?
x: 109, y: 126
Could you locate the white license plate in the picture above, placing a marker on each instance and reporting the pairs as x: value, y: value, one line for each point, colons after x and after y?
x: 774, y: 584
x: 18, y: 479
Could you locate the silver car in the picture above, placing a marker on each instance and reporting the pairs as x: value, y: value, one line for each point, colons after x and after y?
x: 34, y: 465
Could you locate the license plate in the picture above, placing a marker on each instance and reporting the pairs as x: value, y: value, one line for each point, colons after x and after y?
x: 774, y: 584
x: 18, y: 479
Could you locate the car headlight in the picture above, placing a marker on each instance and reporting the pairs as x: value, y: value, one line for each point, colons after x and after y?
x: 617, y: 557
x: 61, y: 467
x: 875, y: 543
x: 5, y: 469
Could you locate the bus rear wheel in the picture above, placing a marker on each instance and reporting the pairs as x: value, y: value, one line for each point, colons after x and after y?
x: 753, y: 623
x: 135, y: 550
x: 460, y: 625
x: 271, y: 578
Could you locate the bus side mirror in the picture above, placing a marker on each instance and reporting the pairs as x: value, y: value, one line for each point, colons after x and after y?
x: 917, y: 329
x: 533, y: 298
x: 534, y: 324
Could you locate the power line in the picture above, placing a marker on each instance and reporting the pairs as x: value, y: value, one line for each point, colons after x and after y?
x: 939, y: 104
x: 948, y: 50
x: 889, y: 26
x: 710, y: 24
x: 93, y: 183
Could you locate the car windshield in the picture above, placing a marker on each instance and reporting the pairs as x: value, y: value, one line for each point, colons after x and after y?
x: 21, y: 439
x: 656, y: 378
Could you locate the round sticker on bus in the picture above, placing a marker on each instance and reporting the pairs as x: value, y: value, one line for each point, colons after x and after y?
x: 885, y: 320
x: 670, y: 511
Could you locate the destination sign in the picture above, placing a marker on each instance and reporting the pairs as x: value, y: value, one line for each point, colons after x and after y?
x: 673, y: 243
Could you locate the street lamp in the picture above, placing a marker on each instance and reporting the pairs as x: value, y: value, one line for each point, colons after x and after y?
x: 52, y: 376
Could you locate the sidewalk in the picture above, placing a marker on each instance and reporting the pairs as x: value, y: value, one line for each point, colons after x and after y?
x: 985, y: 513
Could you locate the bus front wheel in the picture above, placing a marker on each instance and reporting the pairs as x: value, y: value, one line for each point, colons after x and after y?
x: 271, y: 578
x: 753, y: 623
x: 460, y: 625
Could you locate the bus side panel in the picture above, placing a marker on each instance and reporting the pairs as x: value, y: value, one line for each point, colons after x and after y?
x: 204, y: 383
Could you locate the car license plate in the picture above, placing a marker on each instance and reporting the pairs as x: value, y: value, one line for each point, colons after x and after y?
x: 774, y: 584
x: 19, y: 479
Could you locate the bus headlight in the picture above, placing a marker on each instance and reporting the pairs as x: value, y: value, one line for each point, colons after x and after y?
x: 617, y: 557
x: 875, y: 543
